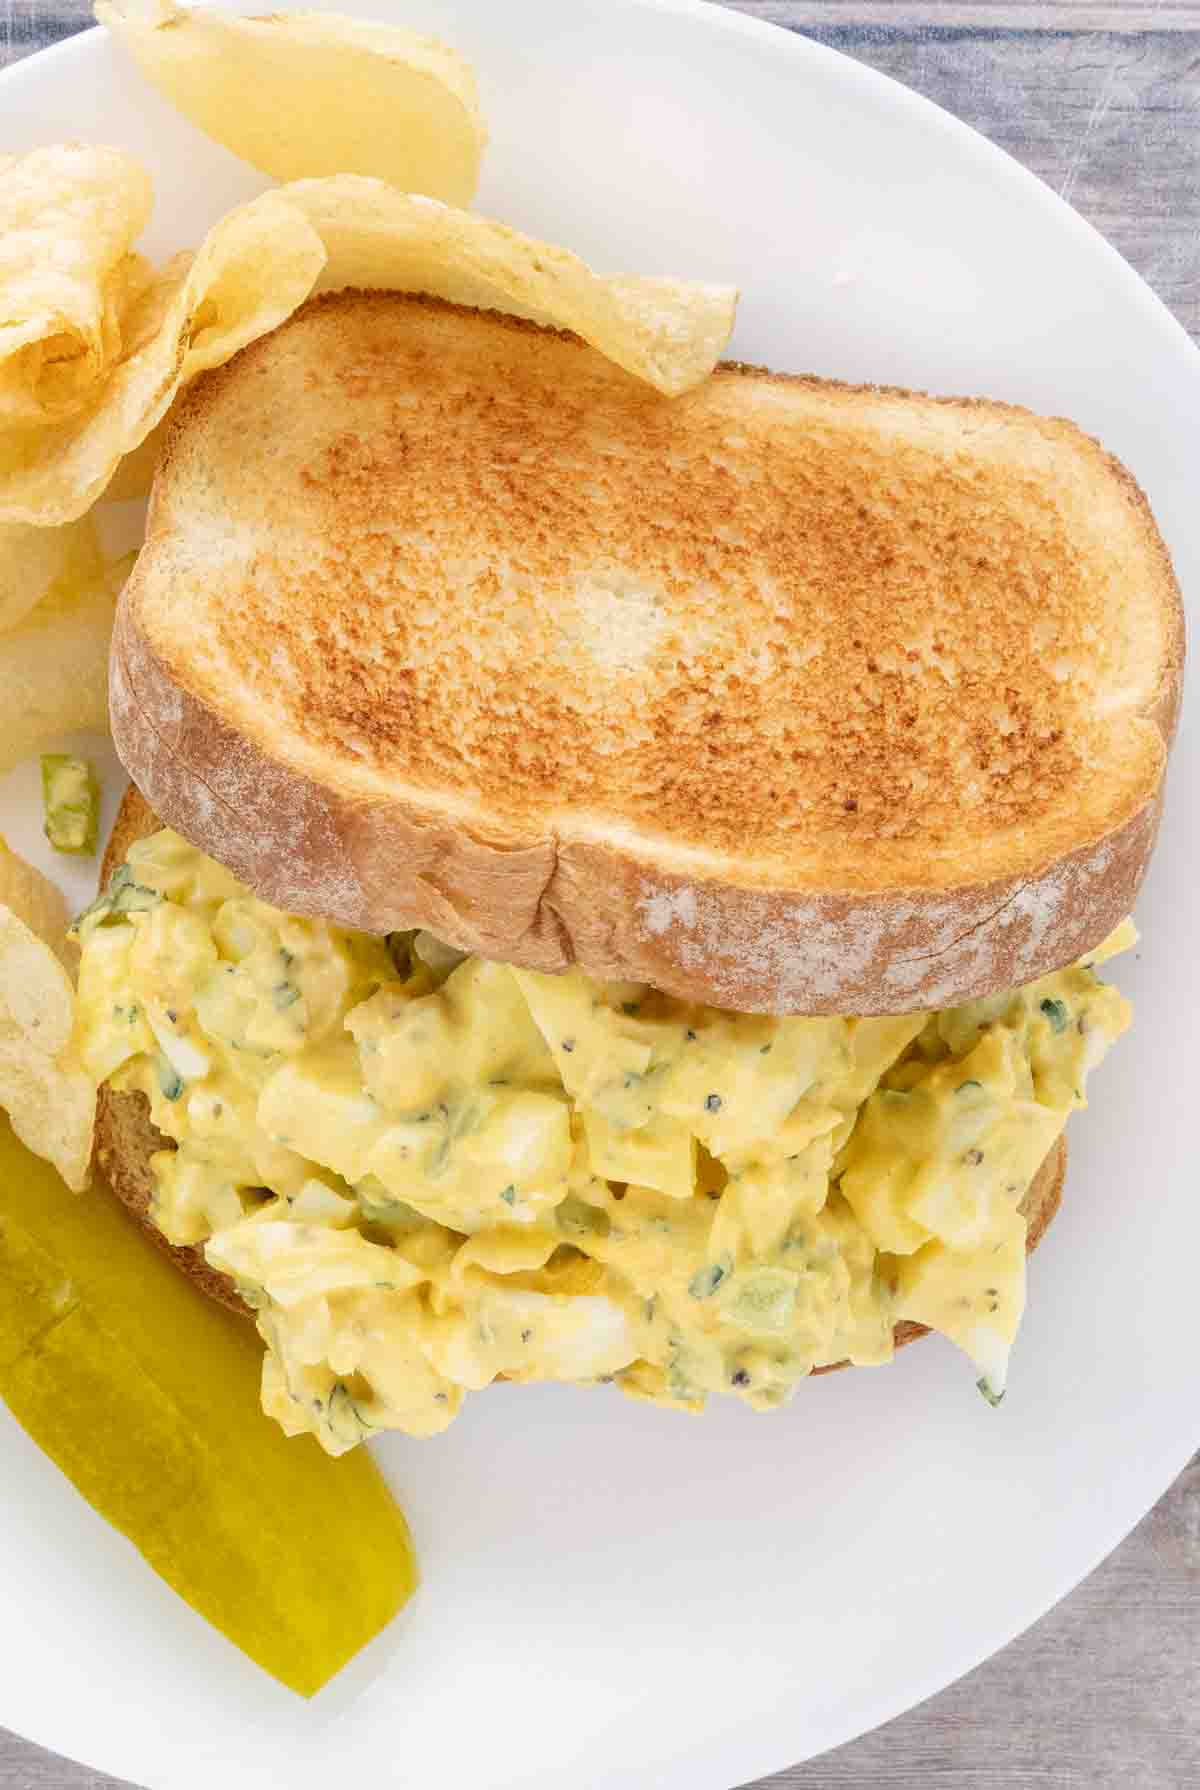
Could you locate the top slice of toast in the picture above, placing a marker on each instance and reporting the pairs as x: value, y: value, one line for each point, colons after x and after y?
x: 783, y: 694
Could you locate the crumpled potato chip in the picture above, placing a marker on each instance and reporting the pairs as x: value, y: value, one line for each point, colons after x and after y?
x: 54, y: 665
x: 251, y: 271
x: 68, y: 215
x: 34, y: 562
x: 668, y: 332
x: 261, y: 261
x: 48, y: 1096
x: 34, y: 899
x: 311, y: 93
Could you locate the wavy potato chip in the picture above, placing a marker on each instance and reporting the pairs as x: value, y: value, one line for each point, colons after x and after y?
x: 68, y: 215
x: 251, y: 271
x: 34, y: 899
x: 312, y: 93
x: 54, y: 665
x: 49, y: 1098
x: 34, y: 562
x: 668, y: 332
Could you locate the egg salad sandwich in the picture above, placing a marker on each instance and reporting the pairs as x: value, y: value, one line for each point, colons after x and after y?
x: 620, y: 883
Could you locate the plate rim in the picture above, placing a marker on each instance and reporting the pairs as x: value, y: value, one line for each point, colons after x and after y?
x: 752, y: 1738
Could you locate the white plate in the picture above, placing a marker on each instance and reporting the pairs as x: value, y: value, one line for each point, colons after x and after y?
x: 613, y: 1595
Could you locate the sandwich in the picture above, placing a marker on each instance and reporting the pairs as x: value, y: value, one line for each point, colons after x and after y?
x: 618, y: 885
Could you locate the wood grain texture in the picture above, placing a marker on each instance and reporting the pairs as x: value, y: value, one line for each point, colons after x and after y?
x: 1103, y: 101
x: 1110, y: 118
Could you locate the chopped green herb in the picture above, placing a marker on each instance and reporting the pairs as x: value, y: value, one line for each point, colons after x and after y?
x: 974, y: 1158
x: 706, y: 1280
x: 122, y: 897
x: 964, y: 1085
x: 1056, y: 1013
x: 509, y: 1196
x: 347, y: 1420
x: 284, y: 995
x: 985, y: 1390
x: 169, y: 1079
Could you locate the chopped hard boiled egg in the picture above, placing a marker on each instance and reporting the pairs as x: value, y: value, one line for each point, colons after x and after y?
x: 425, y: 1171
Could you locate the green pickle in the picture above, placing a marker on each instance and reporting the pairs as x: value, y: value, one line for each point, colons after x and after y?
x: 146, y: 1396
x: 71, y: 800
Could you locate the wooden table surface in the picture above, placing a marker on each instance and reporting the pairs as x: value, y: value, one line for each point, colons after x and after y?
x: 1103, y: 101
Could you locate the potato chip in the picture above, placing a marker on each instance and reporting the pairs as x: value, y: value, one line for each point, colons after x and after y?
x: 49, y: 1098
x: 54, y: 666
x: 251, y: 272
x: 68, y: 215
x: 314, y: 93
x: 34, y: 562
x: 34, y: 899
x: 669, y: 332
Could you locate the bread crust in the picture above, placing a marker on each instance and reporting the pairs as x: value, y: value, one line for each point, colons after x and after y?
x: 387, y: 865
x: 126, y: 1139
x: 567, y: 888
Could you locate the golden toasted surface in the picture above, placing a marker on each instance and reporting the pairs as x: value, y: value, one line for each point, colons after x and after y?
x: 836, y: 636
x: 785, y: 696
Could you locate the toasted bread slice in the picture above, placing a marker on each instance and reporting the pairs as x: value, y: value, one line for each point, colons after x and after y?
x: 126, y: 1139
x: 782, y: 695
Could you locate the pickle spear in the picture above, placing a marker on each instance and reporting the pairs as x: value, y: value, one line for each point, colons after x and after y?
x: 71, y: 800
x: 146, y: 1396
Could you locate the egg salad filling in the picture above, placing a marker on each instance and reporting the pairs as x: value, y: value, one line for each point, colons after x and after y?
x: 424, y: 1171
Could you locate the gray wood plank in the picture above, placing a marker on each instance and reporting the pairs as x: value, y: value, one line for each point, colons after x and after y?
x: 1109, y: 119
x: 1123, y: 16
x: 1103, y: 101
